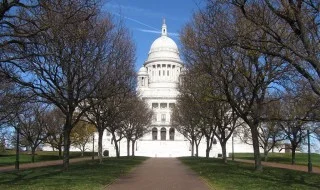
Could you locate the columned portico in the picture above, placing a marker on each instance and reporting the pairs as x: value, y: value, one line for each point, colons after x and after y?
x: 162, y: 68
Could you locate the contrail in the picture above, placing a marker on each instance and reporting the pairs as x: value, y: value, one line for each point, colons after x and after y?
x: 134, y: 20
x: 156, y: 32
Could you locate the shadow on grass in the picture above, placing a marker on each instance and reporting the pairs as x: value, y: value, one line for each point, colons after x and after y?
x: 82, y: 175
x: 235, y: 175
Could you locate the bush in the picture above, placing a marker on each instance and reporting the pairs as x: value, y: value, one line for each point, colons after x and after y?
x: 106, y: 153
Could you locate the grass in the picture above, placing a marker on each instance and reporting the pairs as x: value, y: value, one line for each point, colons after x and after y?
x: 236, y: 175
x: 9, y: 157
x: 82, y: 175
x: 285, y: 158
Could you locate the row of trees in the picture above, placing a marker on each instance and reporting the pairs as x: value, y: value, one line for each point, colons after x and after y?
x: 250, y: 63
x: 71, y: 57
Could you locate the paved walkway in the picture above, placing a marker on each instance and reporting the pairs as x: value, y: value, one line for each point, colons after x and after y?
x: 41, y: 164
x: 284, y: 166
x: 160, y: 174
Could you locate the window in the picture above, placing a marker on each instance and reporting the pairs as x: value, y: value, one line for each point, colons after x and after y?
x: 154, y: 134
x: 168, y: 73
x: 163, y: 133
x: 171, y: 134
x: 163, y: 105
x: 142, y: 81
x: 155, y: 105
x: 163, y: 117
x: 154, y: 117
x: 171, y: 105
x: 163, y: 73
x: 154, y: 66
x: 159, y: 73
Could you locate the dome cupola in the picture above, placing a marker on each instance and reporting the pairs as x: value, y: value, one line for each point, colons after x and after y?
x: 143, y: 71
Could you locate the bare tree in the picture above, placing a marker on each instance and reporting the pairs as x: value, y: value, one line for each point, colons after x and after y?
x: 12, y: 31
x: 71, y: 58
x: 33, y: 126
x: 136, y: 121
x: 184, y: 119
x: 286, y: 29
x: 55, y: 121
x: 292, y: 122
x: 244, y: 77
x: 119, y: 83
x: 226, y: 121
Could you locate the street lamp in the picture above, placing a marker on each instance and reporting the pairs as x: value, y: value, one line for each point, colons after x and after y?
x: 93, y: 147
x: 17, y: 147
x: 309, y: 153
x: 232, y: 147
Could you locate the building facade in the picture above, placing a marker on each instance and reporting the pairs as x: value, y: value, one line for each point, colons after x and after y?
x: 158, y: 80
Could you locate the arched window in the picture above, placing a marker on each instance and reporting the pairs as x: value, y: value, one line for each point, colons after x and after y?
x: 163, y: 133
x: 171, y: 134
x: 154, y: 134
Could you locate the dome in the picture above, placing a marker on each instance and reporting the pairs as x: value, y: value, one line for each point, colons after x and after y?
x: 143, y: 71
x: 163, y: 48
x: 164, y: 43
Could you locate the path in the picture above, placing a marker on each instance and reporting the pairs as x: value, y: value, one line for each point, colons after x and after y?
x: 41, y: 164
x: 160, y: 174
x: 284, y: 166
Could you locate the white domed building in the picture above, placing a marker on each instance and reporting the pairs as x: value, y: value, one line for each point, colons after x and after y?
x: 158, y: 80
x: 157, y: 84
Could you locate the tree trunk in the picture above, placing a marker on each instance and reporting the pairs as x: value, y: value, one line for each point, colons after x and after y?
x: 60, y: 151
x: 256, y: 148
x: 116, y: 145
x: 82, y: 151
x: 128, y: 147
x: 66, y: 144
x: 208, y: 147
x: 132, y: 152
x: 197, y: 150
x: 33, y: 151
x: 100, y: 153
x: 265, y: 154
x: 192, y: 147
x: 293, y: 155
x: 224, y: 151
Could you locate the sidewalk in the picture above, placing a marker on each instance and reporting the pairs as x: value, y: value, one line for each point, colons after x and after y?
x: 41, y: 164
x: 284, y: 166
x: 160, y: 174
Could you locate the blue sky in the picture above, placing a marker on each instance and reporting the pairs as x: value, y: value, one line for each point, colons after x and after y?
x: 144, y: 20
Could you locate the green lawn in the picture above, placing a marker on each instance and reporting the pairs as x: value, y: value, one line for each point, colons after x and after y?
x: 301, y: 158
x: 83, y: 175
x: 236, y: 175
x: 9, y: 157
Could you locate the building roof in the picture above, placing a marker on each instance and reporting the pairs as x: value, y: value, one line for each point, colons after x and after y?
x: 163, y: 48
